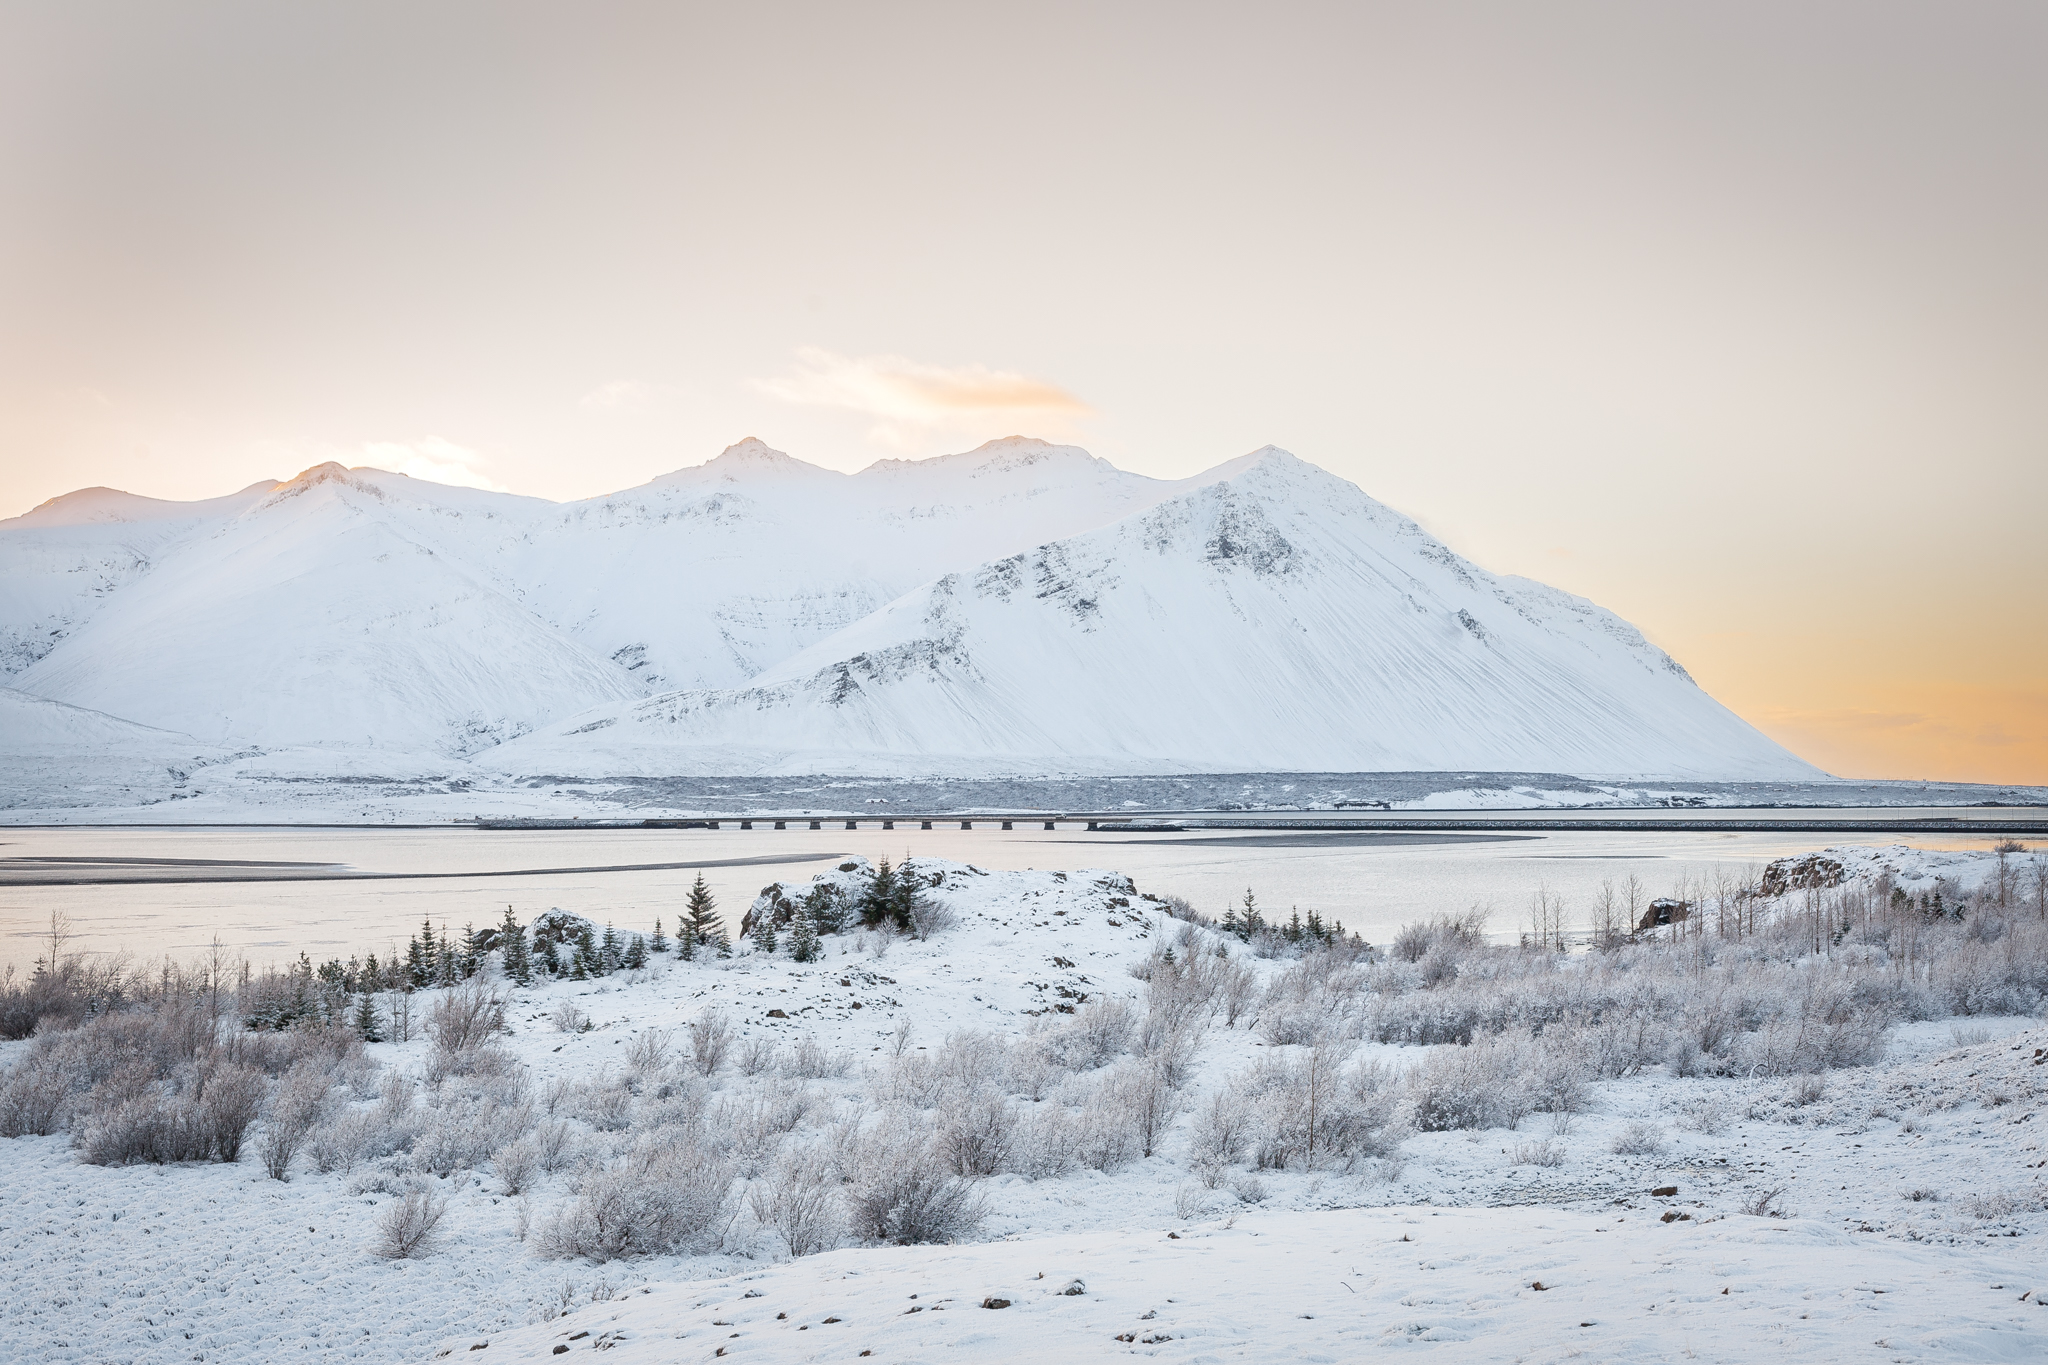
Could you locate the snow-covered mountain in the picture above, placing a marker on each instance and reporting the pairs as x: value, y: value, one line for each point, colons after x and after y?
x: 1019, y: 608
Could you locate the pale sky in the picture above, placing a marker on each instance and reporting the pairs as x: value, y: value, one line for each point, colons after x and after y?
x: 1732, y: 317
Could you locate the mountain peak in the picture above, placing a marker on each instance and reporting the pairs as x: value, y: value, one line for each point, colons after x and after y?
x: 745, y: 460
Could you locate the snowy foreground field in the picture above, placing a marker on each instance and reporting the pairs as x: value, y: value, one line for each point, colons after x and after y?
x: 1728, y: 1146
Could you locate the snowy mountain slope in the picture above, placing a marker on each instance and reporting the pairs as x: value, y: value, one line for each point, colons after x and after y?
x: 1022, y: 607
x: 59, y: 756
x: 328, y: 614
x: 1272, y: 617
x: 709, y: 575
x: 62, y: 559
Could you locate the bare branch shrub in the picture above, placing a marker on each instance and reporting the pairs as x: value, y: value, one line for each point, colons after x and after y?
x: 296, y: 1105
x: 710, y: 1040
x: 409, y: 1227
x: 466, y: 1016
x: 1638, y: 1139
x: 648, y: 1054
x: 658, y: 1199
x: 798, y: 1201
x: 517, y: 1165
x: 902, y: 1196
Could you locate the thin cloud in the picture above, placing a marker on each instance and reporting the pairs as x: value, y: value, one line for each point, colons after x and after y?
x: 433, y: 459
x: 618, y: 394
x: 900, y: 391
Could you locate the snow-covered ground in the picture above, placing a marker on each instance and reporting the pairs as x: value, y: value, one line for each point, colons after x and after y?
x: 1909, y: 1223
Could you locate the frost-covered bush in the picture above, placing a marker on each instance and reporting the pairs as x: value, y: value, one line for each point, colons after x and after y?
x: 410, y: 1226
x: 468, y: 1120
x: 657, y: 1199
x: 1095, y: 1034
x: 296, y: 1105
x: 1479, y: 1085
x: 977, y: 1135
x: 517, y: 1165
x: 466, y: 1017
x: 800, y: 1203
x: 901, y: 1194
x: 1305, y: 1111
x: 1638, y: 1139
x: 710, y: 1041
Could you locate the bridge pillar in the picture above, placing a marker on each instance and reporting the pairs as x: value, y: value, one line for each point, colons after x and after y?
x: 967, y: 824
x: 853, y: 824
x: 817, y: 824
x: 782, y: 824
x: 746, y: 824
x: 924, y: 824
x: 1006, y: 824
x: 1048, y: 824
x: 888, y: 824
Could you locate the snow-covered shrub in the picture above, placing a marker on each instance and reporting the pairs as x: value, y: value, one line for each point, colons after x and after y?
x: 1545, y: 1153
x: 756, y: 1055
x: 555, y: 1143
x: 648, y: 1054
x: 1047, y: 1142
x: 1638, y: 1139
x: 410, y: 1226
x: 1095, y: 1034
x: 659, y: 1198
x: 1307, y: 1111
x: 976, y: 1135
x: 710, y: 1041
x: 568, y: 1018
x: 466, y: 1016
x: 1221, y: 1129
x: 517, y: 1165
x: 1478, y: 1085
x: 799, y: 1202
x: 295, y: 1108
x: 810, y: 1061
x: 469, y: 1120
x: 351, y: 1137
x: 751, y: 1124
x: 1314, y: 1001
x: 902, y: 1195
x: 35, y: 1097
x: 605, y: 1103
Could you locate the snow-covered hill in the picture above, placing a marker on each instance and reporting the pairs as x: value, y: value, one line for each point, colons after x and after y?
x: 1271, y: 615
x: 1020, y: 608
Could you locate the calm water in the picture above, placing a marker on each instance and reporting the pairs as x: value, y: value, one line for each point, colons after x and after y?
x: 1373, y: 883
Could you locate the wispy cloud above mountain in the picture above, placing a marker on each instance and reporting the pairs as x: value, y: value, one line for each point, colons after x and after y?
x: 908, y: 396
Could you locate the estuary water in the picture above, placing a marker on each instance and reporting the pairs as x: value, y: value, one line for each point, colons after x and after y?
x: 270, y: 893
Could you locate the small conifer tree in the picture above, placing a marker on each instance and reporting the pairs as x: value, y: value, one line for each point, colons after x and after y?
x: 369, y: 1020
x: 550, y: 955
x: 659, y: 943
x: 879, y: 901
x: 608, y: 954
x: 512, y: 942
x: 419, y: 957
x: 722, y: 942
x: 700, y: 911
x: 908, y: 904
x: 636, y: 954
x: 803, y: 937
x: 827, y: 915
x: 764, y: 933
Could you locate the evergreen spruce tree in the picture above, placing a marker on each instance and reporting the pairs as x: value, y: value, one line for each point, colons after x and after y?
x: 879, y: 901
x: 1251, y: 921
x: 472, y: 960
x: 446, y: 965
x: 700, y: 912
x: 1315, y: 928
x: 636, y: 954
x: 512, y: 943
x: 659, y: 943
x: 419, y: 957
x: 369, y: 1020
x: 722, y: 943
x: 803, y: 936
x: 1230, y: 924
x: 587, y: 958
x: 827, y: 915
x: 550, y: 956
x: 608, y: 955
x: 686, y: 943
x: 373, y: 974
x: 764, y: 932
x: 1293, y: 929
x: 907, y: 906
